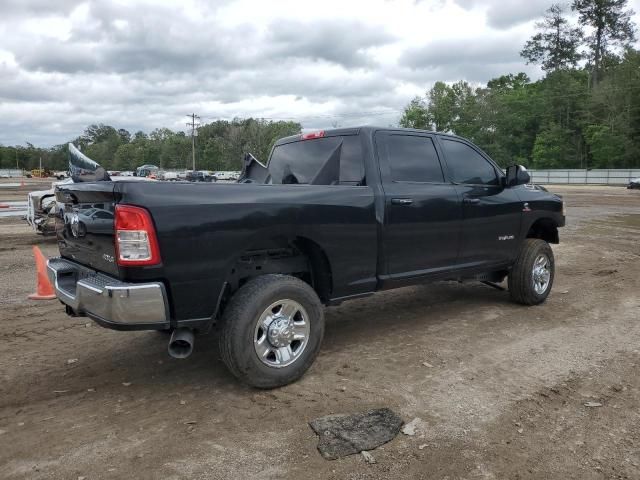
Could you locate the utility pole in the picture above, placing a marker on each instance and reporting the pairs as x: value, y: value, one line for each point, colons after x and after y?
x: 194, y: 124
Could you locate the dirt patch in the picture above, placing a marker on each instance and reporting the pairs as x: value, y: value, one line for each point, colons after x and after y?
x: 16, y: 189
x: 500, y: 388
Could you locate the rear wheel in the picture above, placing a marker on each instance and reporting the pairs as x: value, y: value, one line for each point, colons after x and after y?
x: 271, y: 331
x: 531, y: 278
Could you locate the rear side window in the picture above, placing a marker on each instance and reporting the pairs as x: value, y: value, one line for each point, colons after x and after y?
x: 468, y: 166
x: 412, y: 159
x: 302, y: 161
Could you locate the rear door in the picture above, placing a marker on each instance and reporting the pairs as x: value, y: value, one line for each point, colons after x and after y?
x: 85, y: 224
x: 422, y: 209
x: 491, y: 212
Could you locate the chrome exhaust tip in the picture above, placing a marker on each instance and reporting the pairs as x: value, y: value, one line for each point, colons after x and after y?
x: 181, y: 343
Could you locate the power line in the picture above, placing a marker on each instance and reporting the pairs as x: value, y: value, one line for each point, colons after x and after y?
x: 194, y: 124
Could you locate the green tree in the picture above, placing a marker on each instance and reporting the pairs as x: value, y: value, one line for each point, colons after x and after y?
x: 441, y: 107
x: 466, y: 110
x: 605, y: 146
x: 510, y: 115
x: 611, y: 25
x: 125, y: 157
x: 556, y: 44
x: 416, y: 115
x: 552, y: 147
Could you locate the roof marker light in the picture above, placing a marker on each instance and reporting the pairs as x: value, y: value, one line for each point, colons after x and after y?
x: 312, y: 135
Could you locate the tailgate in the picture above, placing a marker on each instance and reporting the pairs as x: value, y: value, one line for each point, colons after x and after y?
x: 85, y: 224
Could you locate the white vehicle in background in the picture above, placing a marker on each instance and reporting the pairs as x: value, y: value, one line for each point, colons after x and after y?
x: 60, y: 175
x: 227, y: 175
x: 169, y: 176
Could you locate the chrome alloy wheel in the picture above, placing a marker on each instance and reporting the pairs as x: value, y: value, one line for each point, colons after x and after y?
x: 281, y: 333
x: 541, y: 274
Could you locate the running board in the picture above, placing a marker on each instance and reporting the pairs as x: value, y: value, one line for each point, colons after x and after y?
x: 494, y: 285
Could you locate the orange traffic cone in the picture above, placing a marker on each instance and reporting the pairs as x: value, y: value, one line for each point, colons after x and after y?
x: 44, y: 289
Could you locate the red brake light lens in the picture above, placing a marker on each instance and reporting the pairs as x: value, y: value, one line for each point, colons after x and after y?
x: 135, y: 237
x: 311, y: 135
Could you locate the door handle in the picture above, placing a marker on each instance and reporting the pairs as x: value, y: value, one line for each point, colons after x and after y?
x: 401, y: 201
x: 471, y: 200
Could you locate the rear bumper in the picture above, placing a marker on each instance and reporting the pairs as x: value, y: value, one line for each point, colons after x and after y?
x: 107, y: 300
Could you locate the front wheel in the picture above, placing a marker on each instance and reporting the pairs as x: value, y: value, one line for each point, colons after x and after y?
x: 271, y: 331
x: 531, y: 278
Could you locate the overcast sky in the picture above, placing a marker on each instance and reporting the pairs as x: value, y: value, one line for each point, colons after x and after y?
x: 65, y: 64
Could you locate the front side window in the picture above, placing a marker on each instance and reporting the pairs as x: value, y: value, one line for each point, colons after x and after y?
x: 466, y: 165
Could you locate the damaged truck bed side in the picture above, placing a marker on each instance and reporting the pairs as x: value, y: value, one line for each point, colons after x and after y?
x: 334, y: 215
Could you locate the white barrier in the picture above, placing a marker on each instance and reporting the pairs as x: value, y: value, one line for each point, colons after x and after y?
x: 10, y: 172
x: 584, y: 177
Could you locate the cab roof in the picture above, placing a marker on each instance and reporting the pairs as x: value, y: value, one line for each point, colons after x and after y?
x: 366, y: 129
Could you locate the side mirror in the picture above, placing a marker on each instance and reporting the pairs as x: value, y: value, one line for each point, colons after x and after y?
x: 516, y: 175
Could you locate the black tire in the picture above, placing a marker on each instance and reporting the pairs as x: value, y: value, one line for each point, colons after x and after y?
x: 240, y: 319
x: 522, y: 287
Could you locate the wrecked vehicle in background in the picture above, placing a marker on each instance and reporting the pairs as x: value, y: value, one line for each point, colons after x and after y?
x: 42, y: 206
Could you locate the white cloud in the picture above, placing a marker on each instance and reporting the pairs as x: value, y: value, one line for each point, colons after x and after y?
x: 146, y: 63
x: 504, y: 14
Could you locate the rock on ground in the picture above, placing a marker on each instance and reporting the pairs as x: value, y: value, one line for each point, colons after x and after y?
x: 341, y: 435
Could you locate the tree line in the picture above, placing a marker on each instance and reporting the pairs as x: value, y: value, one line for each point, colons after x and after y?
x: 220, y: 145
x: 585, y: 111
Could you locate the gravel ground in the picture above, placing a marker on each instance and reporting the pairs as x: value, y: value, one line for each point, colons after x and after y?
x: 500, y: 389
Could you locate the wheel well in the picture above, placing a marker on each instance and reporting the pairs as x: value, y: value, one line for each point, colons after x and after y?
x: 544, y: 229
x: 320, y: 270
x: 300, y: 257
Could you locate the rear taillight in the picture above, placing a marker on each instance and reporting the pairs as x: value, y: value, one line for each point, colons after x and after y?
x: 136, y: 242
x: 311, y: 135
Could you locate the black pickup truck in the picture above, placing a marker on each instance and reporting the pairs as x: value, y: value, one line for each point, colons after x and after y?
x: 334, y: 215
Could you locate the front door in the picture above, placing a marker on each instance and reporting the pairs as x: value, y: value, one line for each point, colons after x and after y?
x: 491, y: 212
